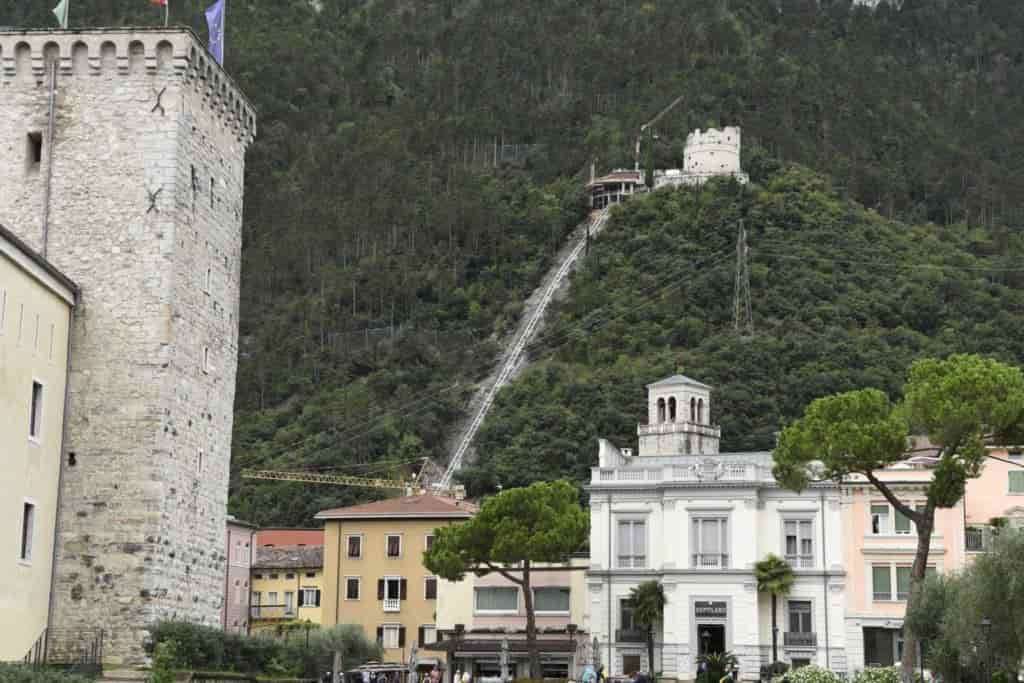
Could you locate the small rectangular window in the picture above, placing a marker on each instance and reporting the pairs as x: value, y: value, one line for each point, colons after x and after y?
x: 394, y: 542
x: 879, y: 519
x: 28, y: 521
x: 881, y: 581
x: 902, y: 583
x: 209, y: 280
x: 35, y: 422
x: 1016, y: 482
x: 497, y: 599
x: 206, y: 359
x: 199, y: 462
x: 352, y: 588
x: 428, y: 542
x: 901, y: 522
x: 355, y: 547
x: 33, y: 151
x: 429, y: 635
x: 430, y: 588
x: 800, y: 616
x: 551, y: 599
x: 632, y: 543
x: 310, y: 575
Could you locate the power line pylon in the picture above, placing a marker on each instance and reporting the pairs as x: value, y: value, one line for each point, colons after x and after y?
x: 742, y: 319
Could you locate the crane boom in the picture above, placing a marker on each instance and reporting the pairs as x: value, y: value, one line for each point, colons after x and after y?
x: 636, y: 152
x: 336, y: 479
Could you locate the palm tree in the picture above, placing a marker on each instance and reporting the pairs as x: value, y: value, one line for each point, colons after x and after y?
x: 775, y: 576
x: 648, y: 603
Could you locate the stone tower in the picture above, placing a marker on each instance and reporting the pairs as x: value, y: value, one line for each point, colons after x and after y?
x: 139, y: 200
x: 678, y: 419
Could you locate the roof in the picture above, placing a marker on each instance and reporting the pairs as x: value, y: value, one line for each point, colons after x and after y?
x: 678, y: 379
x: 618, y: 176
x: 234, y: 521
x: 291, y: 557
x: 38, y: 267
x: 407, y: 507
x: 289, y: 537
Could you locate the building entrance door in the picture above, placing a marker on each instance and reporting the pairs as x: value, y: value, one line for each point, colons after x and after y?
x: 711, y: 638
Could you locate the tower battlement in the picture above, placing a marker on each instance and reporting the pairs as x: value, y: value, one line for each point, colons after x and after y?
x: 25, y: 56
x: 713, y: 151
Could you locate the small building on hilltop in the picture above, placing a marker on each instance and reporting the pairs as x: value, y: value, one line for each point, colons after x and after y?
x: 615, y: 188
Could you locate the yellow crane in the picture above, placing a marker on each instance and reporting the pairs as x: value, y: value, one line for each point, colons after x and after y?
x: 415, y: 486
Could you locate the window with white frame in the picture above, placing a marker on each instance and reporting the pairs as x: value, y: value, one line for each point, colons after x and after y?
x: 355, y: 547
x: 35, y: 420
x: 390, y: 638
x: 799, y: 542
x: 800, y: 616
x: 428, y: 541
x: 1015, y: 483
x: 496, y: 599
x: 632, y: 543
x: 428, y: 634
x: 886, y: 520
x: 289, y: 602
x: 551, y: 599
x: 710, y: 542
x: 352, y: 588
x: 891, y: 581
x: 879, y: 518
x: 394, y: 545
x: 28, y: 524
x: 309, y: 597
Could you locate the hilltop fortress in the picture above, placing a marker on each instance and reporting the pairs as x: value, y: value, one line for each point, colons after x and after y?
x: 707, y: 154
x: 126, y: 172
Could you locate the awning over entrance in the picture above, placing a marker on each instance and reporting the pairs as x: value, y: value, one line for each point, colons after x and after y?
x: 488, y: 645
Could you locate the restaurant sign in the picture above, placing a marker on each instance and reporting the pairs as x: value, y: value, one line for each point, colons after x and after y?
x: 705, y: 609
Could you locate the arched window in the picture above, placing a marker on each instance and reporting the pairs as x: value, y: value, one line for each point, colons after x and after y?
x: 672, y: 409
x: 661, y: 410
x: 700, y: 411
x: 693, y: 410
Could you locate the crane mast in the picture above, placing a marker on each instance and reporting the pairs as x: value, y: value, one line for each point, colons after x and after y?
x: 643, y: 128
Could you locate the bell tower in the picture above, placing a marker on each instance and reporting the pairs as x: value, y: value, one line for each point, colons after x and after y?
x: 678, y: 419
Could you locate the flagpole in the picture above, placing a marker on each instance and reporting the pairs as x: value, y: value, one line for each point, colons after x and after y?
x: 167, y: 12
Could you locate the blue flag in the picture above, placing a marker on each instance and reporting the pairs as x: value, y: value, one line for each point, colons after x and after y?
x: 215, y: 22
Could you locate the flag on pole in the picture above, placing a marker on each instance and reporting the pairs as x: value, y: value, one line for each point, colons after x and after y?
x: 61, y: 12
x: 162, y: 3
x: 215, y: 22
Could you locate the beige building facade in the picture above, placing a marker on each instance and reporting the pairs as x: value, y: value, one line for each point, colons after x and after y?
x: 374, y: 574
x: 36, y: 308
x: 287, y: 587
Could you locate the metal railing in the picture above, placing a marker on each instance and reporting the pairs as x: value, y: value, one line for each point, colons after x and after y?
x: 74, y: 650
x: 710, y: 561
x: 630, y: 635
x: 800, y: 561
x: 976, y: 539
x: 272, y: 611
x: 800, y: 639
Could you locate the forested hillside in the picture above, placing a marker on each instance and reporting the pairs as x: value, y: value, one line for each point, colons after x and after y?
x: 842, y: 298
x: 418, y: 162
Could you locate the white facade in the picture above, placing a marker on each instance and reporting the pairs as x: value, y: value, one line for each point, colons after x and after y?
x: 697, y: 523
x: 707, y: 154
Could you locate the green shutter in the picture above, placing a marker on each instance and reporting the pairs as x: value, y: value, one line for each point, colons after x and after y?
x: 881, y: 580
x: 902, y: 523
x: 1017, y: 482
x: 902, y: 583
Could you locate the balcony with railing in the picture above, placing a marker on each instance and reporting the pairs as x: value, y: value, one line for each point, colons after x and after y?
x: 710, y: 561
x: 630, y: 635
x: 800, y: 639
x: 269, y: 612
x: 704, y: 471
x: 977, y: 539
x: 392, y: 605
x: 800, y: 561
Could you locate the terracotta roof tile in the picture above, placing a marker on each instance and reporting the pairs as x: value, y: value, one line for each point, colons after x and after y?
x: 292, y: 557
x: 285, y: 537
x: 426, y: 507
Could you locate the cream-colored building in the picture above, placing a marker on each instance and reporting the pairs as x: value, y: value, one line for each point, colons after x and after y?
x: 374, y: 574
x: 36, y: 306
x: 287, y: 586
x: 480, y: 615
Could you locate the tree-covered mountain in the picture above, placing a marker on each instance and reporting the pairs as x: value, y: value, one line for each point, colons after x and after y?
x: 842, y: 298
x: 418, y: 163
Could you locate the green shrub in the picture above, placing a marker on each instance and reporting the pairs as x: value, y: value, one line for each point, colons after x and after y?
x: 165, y: 660
x: 19, y: 673
x: 888, y: 674
x: 809, y: 674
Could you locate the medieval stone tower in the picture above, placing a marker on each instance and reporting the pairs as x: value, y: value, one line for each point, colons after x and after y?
x: 139, y: 200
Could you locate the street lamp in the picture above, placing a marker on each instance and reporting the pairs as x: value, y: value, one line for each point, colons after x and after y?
x: 705, y: 637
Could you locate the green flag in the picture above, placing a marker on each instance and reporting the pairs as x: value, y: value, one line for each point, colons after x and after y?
x: 61, y: 12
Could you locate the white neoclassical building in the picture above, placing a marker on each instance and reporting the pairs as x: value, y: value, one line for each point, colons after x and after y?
x: 696, y: 520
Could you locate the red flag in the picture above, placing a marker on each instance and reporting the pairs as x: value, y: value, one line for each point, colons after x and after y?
x: 162, y: 3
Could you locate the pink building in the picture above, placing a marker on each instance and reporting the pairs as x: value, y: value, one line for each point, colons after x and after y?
x: 997, y: 494
x: 234, y: 612
x: 880, y: 548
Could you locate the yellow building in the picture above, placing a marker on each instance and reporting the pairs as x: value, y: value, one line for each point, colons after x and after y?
x: 36, y: 307
x: 374, y: 574
x: 287, y: 587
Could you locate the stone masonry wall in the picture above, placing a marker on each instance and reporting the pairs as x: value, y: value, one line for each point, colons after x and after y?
x: 144, y: 120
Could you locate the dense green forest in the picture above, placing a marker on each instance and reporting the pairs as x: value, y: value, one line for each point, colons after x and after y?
x: 418, y: 163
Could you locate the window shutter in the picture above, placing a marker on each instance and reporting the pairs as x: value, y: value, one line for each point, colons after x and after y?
x: 380, y: 589
x: 402, y: 589
x: 419, y: 635
x: 380, y: 635
x: 317, y: 597
x: 302, y: 595
x: 401, y: 636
